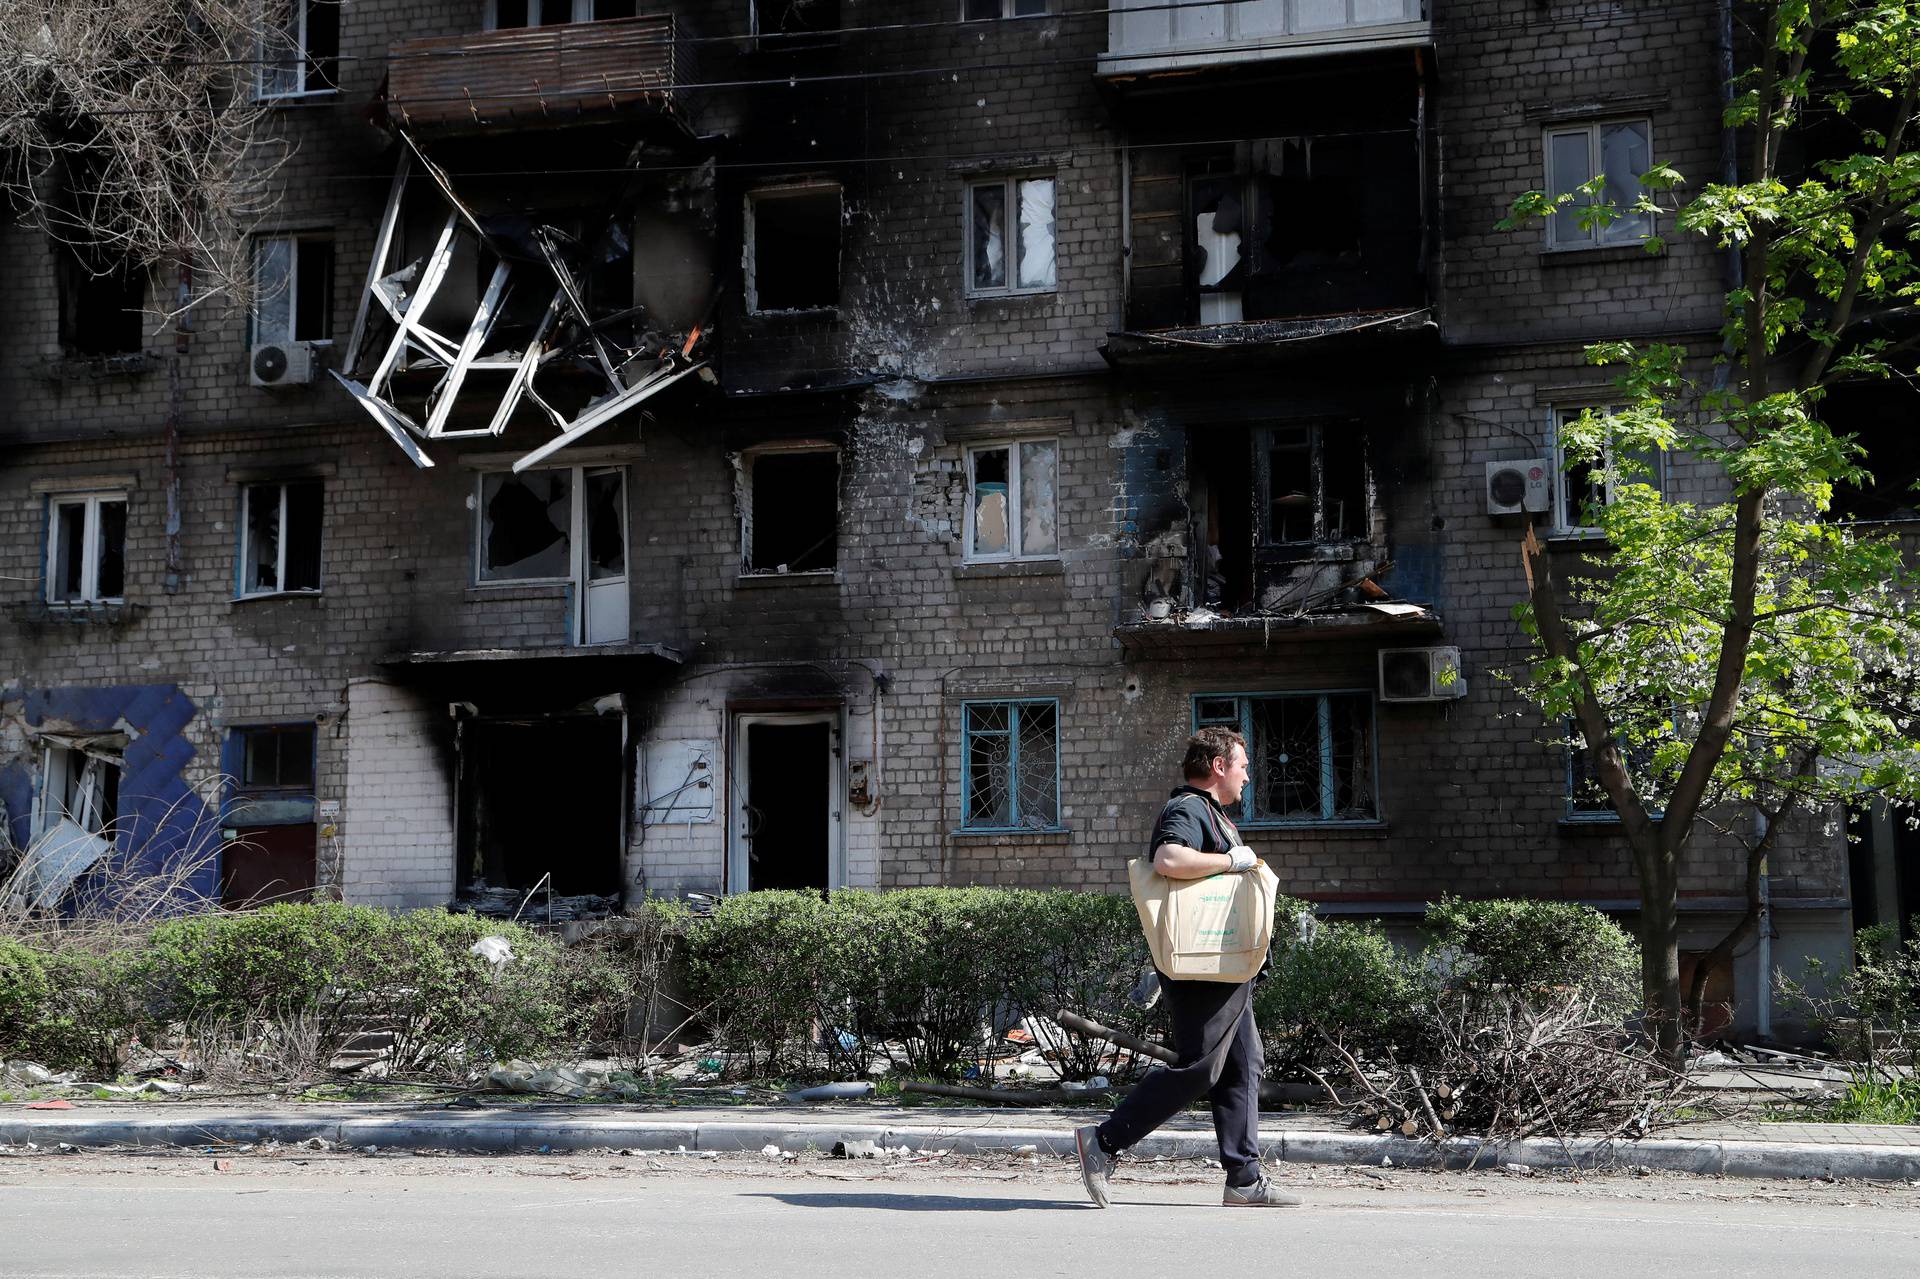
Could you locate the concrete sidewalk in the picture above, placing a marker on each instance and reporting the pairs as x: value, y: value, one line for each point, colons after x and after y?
x: 1881, y: 1153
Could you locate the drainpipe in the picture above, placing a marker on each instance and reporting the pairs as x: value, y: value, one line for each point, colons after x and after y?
x: 1763, y: 946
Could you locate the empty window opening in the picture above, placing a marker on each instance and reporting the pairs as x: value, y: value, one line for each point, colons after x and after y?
x: 1221, y: 491
x: 1313, y: 484
x: 1584, y: 487
x: 87, y: 548
x: 1011, y: 765
x: 80, y: 783
x: 293, y: 289
x: 276, y: 757
x: 792, y: 524
x: 794, y: 17
x: 1013, y: 501
x: 793, y: 249
x: 280, y: 537
x: 1310, y: 756
x: 1617, y: 152
x: 1010, y: 236
x: 302, y: 56
x: 541, y: 804
x: 526, y: 524
x: 1878, y: 416
x: 101, y: 305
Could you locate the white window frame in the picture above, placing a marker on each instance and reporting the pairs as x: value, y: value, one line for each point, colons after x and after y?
x: 747, y: 462
x: 247, y: 492
x: 293, y: 240
x: 89, y: 551
x: 1600, y: 237
x: 1016, y: 502
x: 58, y: 761
x: 1565, y: 512
x: 582, y: 12
x: 300, y: 56
x: 1010, y: 9
x: 576, y: 525
x: 1010, y: 185
x: 750, y: 245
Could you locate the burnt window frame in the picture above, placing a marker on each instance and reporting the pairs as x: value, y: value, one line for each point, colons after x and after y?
x: 1016, y: 552
x: 1206, y: 710
x: 756, y: 30
x: 748, y: 462
x: 1262, y: 437
x: 92, y: 551
x: 1610, y: 236
x: 1010, y: 185
x: 750, y: 243
x: 312, y: 68
x: 295, y: 241
x: 254, y: 491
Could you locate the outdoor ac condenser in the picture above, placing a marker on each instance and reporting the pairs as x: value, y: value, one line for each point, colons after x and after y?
x: 275, y: 364
x: 1519, y: 487
x: 1421, y: 675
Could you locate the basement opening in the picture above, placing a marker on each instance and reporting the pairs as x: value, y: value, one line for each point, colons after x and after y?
x: 541, y: 805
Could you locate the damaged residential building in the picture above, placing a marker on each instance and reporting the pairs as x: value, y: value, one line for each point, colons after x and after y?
x: 799, y: 444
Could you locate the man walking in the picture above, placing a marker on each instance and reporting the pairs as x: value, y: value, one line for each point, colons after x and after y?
x: 1213, y: 1032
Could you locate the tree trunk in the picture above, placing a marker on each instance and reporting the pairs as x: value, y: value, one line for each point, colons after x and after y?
x: 1660, y: 962
x: 1723, y: 952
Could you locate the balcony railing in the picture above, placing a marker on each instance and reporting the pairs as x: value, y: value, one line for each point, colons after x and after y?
x: 531, y: 75
x: 1164, y: 35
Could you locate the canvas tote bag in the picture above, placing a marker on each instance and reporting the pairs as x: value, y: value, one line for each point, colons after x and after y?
x: 1212, y: 929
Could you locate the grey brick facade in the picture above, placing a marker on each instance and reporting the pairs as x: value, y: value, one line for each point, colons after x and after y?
x: 422, y: 681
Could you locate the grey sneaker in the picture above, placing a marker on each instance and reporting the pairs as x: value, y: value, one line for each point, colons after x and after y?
x: 1095, y: 1163
x: 1261, y: 1194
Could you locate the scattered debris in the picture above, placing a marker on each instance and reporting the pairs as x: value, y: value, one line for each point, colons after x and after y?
x: 833, y: 1092
x: 862, y: 1149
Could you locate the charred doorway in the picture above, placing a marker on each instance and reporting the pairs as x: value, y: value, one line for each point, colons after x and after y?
x: 786, y: 812
x: 542, y: 797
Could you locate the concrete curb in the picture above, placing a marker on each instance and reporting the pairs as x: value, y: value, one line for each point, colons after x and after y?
x: 503, y: 1132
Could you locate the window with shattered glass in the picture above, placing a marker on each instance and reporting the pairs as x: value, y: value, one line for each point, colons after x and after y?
x: 1313, y: 483
x: 526, y: 526
x: 1616, y: 151
x: 1010, y: 238
x: 1583, y: 486
x: 1013, y: 505
x: 1011, y: 765
x: 292, y: 289
x: 280, y: 538
x: 1310, y: 755
x: 87, y: 548
x: 302, y: 53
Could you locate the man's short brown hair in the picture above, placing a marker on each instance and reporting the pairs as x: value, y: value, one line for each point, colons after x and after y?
x: 1210, y: 743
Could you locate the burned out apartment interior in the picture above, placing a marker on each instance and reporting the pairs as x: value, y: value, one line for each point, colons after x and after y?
x: 699, y: 448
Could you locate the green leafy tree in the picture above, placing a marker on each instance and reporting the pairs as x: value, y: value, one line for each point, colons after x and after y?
x: 1740, y: 664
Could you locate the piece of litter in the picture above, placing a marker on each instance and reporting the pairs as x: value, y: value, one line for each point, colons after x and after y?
x: 223, y: 1165
x: 49, y: 1105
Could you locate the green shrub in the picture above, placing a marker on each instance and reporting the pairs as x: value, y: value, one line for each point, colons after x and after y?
x: 1877, y: 1101
x: 755, y: 966
x: 1871, y: 1012
x: 1339, y: 983
x: 66, y: 1009
x: 1084, y: 952
x: 1529, y: 949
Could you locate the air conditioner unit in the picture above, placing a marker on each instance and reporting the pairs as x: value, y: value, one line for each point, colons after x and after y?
x: 1519, y: 487
x: 1421, y: 675
x: 281, y: 364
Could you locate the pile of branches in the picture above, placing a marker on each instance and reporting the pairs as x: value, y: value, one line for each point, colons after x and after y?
x: 1507, y: 1068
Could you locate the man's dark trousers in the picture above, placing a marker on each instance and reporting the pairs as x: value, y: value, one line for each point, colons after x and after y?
x: 1220, y: 1058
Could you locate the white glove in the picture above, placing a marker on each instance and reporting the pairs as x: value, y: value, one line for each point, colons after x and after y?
x: 1242, y: 858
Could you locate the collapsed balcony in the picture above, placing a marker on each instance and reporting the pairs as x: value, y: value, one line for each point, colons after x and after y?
x: 537, y: 75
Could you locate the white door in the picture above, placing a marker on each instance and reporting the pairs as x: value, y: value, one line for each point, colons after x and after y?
x: 785, y: 794
x: 602, y: 539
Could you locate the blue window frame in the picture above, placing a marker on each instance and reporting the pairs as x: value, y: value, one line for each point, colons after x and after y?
x: 1010, y: 765
x: 1311, y: 758
x: 1587, y: 799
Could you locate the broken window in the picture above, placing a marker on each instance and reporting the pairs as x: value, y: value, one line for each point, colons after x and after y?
x: 1618, y: 152
x: 101, y: 304
x: 1313, y: 484
x: 1012, y: 501
x: 276, y: 757
x: 302, y: 56
x: 80, y: 783
x: 526, y: 526
x: 983, y: 10
x: 1310, y: 756
x: 280, y: 538
x: 1011, y: 765
x: 1010, y: 241
x: 793, y: 17
x: 293, y: 289
x: 87, y: 548
x: 1581, y: 488
x: 790, y: 522
x: 793, y: 248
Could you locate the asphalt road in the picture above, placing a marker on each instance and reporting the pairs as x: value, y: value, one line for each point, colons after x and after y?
x: 469, y: 1219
